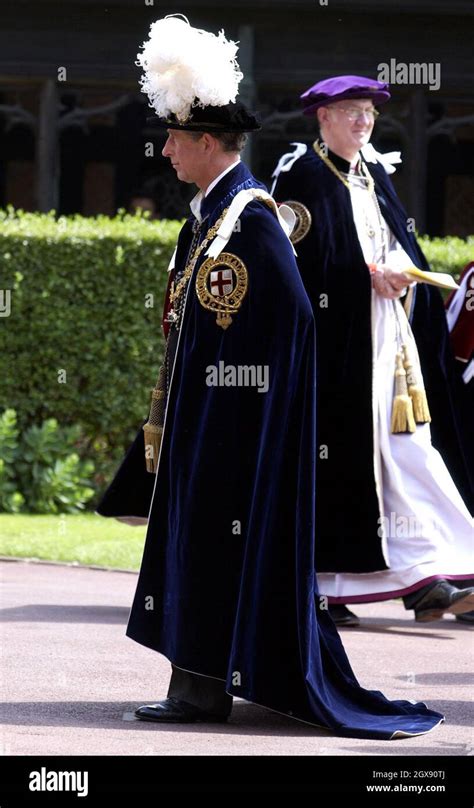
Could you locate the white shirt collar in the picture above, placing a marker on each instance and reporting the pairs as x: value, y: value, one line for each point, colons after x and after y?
x: 354, y: 164
x: 195, y: 203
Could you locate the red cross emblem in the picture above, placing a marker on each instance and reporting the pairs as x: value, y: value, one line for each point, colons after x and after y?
x: 222, y: 282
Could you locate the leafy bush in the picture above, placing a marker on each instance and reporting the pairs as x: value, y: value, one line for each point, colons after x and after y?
x: 83, y: 341
x: 11, y: 500
x: 40, y: 471
x: 450, y: 254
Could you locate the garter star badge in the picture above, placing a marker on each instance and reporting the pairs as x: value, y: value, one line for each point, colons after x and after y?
x: 221, y: 285
x: 303, y: 220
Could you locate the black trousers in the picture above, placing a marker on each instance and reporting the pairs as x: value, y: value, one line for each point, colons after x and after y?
x: 202, y: 691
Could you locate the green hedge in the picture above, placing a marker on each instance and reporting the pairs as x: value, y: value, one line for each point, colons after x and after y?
x: 449, y: 254
x: 86, y: 298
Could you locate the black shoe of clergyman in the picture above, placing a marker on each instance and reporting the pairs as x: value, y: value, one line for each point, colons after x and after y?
x: 342, y: 616
x: 175, y: 711
x: 467, y: 617
x: 441, y: 598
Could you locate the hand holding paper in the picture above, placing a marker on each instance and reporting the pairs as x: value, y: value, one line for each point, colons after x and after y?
x: 441, y: 279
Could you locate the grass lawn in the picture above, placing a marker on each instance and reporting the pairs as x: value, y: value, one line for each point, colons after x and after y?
x: 85, y: 538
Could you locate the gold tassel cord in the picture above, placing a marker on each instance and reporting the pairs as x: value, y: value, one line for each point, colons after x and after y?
x: 152, y: 446
x: 153, y: 428
x: 416, y: 391
x: 402, y: 411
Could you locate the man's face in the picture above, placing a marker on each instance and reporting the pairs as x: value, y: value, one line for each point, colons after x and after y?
x: 349, y: 124
x: 185, y: 154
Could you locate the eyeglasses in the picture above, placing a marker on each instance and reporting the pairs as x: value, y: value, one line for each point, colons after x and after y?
x: 354, y: 113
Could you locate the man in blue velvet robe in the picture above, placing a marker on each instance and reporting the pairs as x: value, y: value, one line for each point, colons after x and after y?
x: 392, y: 510
x: 227, y: 590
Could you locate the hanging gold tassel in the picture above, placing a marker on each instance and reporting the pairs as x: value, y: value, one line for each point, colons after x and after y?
x: 153, y: 428
x: 416, y: 391
x: 402, y: 411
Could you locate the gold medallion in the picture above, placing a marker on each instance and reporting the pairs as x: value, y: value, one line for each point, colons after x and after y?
x: 303, y: 220
x: 221, y: 285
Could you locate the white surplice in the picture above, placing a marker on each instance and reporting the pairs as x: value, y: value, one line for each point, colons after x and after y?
x: 426, y: 529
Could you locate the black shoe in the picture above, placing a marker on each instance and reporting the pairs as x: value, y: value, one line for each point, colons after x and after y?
x: 175, y: 711
x: 441, y: 598
x: 467, y: 617
x: 342, y: 616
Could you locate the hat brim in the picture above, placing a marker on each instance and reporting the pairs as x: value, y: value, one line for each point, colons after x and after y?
x: 379, y: 97
x: 202, y: 126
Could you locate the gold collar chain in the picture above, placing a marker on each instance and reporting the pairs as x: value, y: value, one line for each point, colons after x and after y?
x: 366, y: 175
x: 177, y: 291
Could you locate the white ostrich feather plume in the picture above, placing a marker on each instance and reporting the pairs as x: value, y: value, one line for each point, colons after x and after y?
x: 184, y: 66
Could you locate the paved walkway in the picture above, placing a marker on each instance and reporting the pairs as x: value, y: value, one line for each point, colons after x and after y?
x: 72, y: 679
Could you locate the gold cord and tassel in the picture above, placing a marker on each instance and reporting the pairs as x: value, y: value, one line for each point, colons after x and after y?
x: 416, y: 391
x: 402, y: 411
x: 153, y: 428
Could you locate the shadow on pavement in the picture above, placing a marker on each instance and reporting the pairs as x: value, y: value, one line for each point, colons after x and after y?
x: 245, y: 719
x: 69, y: 613
x: 404, y: 628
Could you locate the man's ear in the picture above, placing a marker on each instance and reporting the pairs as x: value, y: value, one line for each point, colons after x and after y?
x: 322, y: 115
x: 210, y: 142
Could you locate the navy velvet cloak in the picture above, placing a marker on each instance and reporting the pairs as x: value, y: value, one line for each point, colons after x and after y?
x: 332, y: 264
x: 227, y: 586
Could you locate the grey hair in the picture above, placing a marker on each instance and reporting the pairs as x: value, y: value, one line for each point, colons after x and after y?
x: 231, y: 141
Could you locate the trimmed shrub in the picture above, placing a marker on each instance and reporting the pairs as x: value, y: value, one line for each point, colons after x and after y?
x: 83, y: 340
x: 449, y: 254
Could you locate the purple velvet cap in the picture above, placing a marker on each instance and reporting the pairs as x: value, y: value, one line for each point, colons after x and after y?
x: 338, y: 88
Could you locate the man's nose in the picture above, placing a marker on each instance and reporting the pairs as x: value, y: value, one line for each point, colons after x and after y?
x: 166, y: 150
